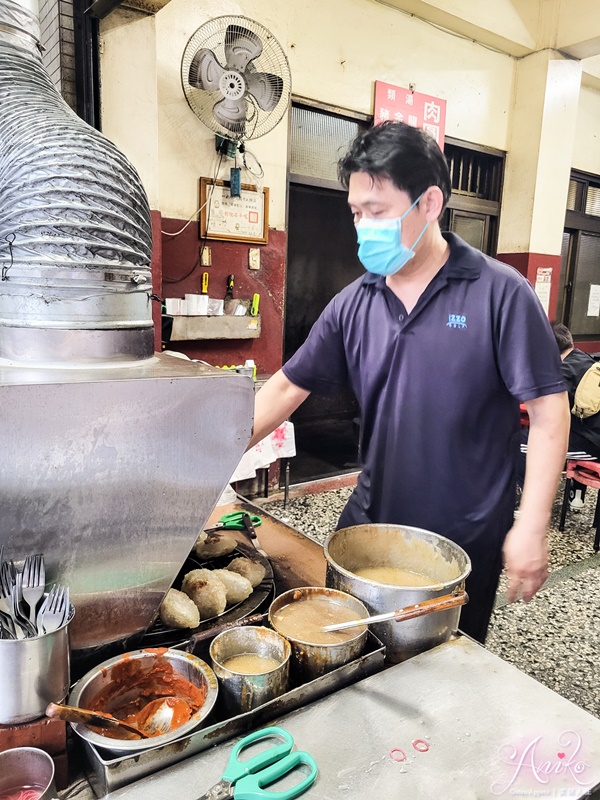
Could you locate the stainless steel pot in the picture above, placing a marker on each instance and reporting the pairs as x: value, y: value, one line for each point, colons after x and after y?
x: 240, y: 691
x: 33, y: 673
x: 27, y: 768
x: 414, y: 549
x: 311, y: 660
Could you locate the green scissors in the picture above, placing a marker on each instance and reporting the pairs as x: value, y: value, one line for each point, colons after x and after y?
x: 235, y: 522
x: 246, y: 780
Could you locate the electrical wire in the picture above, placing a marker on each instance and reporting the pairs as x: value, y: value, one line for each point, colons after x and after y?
x: 9, y: 238
x: 191, y: 219
x: 204, y: 240
x: 258, y: 175
x: 446, y: 30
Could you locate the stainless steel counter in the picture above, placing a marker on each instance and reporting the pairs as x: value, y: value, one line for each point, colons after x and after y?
x: 491, y: 731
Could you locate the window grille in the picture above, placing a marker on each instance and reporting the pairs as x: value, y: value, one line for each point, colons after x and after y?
x: 473, y: 173
x: 470, y: 228
x: 575, y: 195
x: 318, y: 141
x: 592, y: 201
x: 586, y: 275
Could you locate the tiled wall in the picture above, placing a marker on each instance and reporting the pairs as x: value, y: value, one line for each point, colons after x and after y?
x: 56, y: 22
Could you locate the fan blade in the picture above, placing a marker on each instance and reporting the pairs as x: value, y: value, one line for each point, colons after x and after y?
x: 241, y: 46
x: 205, y: 71
x: 265, y: 88
x: 231, y: 114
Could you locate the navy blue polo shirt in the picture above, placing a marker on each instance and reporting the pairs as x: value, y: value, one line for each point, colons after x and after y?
x: 439, y: 392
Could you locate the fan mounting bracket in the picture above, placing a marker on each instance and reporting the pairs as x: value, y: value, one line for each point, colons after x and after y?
x: 226, y: 147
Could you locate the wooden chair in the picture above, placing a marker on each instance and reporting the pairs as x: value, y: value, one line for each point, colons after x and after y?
x: 588, y: 473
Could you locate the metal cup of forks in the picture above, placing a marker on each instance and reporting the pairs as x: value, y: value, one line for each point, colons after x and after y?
x: 20, y: 593
x: 35, y: 671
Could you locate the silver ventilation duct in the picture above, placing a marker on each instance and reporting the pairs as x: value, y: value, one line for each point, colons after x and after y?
x: 110, y: 465
x: 75, y: 232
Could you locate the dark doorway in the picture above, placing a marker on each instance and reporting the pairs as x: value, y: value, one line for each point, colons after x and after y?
x: 580, y: 258
x: 321, y: 261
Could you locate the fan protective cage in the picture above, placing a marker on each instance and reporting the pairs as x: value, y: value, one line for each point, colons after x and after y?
x: 272, y: 59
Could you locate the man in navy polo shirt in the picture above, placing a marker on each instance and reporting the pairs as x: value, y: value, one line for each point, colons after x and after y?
x: 440, y: 344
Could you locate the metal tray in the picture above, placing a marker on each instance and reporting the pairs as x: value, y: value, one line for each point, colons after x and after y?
x: 107, y: 772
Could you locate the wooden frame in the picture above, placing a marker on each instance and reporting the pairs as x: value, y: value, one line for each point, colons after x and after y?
x: 252, y: 208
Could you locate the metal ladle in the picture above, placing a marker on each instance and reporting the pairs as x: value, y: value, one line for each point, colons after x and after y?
x: 157, y: 717
x: 410, y: 612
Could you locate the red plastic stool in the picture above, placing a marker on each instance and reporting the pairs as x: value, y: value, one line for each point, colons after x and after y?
x: 588, y: 473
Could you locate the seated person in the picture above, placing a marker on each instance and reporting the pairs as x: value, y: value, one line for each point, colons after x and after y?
x: 584, y: 436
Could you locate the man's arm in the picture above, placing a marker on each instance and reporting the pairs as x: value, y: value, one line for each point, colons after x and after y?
x: 526, y: 546
x: 274, y: 403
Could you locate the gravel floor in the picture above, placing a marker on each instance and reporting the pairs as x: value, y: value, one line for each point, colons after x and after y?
x: 556, y: 637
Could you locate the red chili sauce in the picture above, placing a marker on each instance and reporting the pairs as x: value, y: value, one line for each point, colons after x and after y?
x: 135, y: 684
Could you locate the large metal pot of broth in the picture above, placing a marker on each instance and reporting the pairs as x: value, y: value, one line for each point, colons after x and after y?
x: 390, y: 567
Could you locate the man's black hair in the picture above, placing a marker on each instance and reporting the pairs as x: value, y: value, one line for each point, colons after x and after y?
x: 408, y: 156
x: 563, y: 336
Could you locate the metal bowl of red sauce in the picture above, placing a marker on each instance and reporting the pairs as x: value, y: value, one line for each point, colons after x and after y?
x: 124, y: 686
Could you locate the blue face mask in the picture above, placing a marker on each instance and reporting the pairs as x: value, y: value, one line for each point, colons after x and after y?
x: 380, y: 247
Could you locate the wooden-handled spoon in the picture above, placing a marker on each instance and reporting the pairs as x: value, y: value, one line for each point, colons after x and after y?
x: 154, y: 719
x: 96, y: 718
x: 410, y: 612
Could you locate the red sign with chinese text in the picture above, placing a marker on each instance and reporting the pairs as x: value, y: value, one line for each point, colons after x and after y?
x: 419, y: 110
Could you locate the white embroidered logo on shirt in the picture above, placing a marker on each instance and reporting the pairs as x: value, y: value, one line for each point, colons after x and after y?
x: 456, y: 321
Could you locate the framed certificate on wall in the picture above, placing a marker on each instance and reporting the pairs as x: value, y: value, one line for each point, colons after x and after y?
x: 238, y: 219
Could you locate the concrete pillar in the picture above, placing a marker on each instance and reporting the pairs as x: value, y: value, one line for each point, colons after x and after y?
x: 130, y: 106
x: 130, y: 114
x: 538, y: 168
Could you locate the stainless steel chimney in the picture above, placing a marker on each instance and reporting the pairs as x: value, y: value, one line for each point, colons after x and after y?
x: 75, y: 234
x: 112, y: 458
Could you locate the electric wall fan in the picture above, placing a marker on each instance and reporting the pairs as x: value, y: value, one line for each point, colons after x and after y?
x: 236, y: 77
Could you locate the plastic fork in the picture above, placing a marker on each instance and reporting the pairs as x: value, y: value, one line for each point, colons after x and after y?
x: 6, y: 587
x: 7, y: 628
x: 21, y: 621
x: 55, y: 609
x: 34, y: 583
x: 7, y: 581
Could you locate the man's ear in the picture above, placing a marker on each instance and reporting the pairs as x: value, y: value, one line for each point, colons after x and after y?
x: 433, y: 203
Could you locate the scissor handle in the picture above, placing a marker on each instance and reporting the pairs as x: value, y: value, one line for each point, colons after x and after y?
x: 236, y: 769
x: 252, y: 787
x: 234, y: 520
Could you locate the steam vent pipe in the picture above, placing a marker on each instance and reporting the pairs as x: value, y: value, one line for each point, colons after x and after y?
x: 75, y: 233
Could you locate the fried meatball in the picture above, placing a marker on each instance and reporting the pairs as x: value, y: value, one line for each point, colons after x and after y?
x: 207, y: 592
x: 177, y: 610
x: 213, y: 545
x: 252, y: 570
x: 202, y: 536
x: 237, y: 587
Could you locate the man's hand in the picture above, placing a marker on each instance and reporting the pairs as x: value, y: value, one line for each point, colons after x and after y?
x: 526, y: 548
x: 525, y: 559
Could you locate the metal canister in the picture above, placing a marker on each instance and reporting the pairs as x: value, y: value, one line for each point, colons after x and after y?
x: 27, y: 768
x: 33, y: 673
x: 415, y: 549
x: 240, y: 691
x: 310, y: 660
